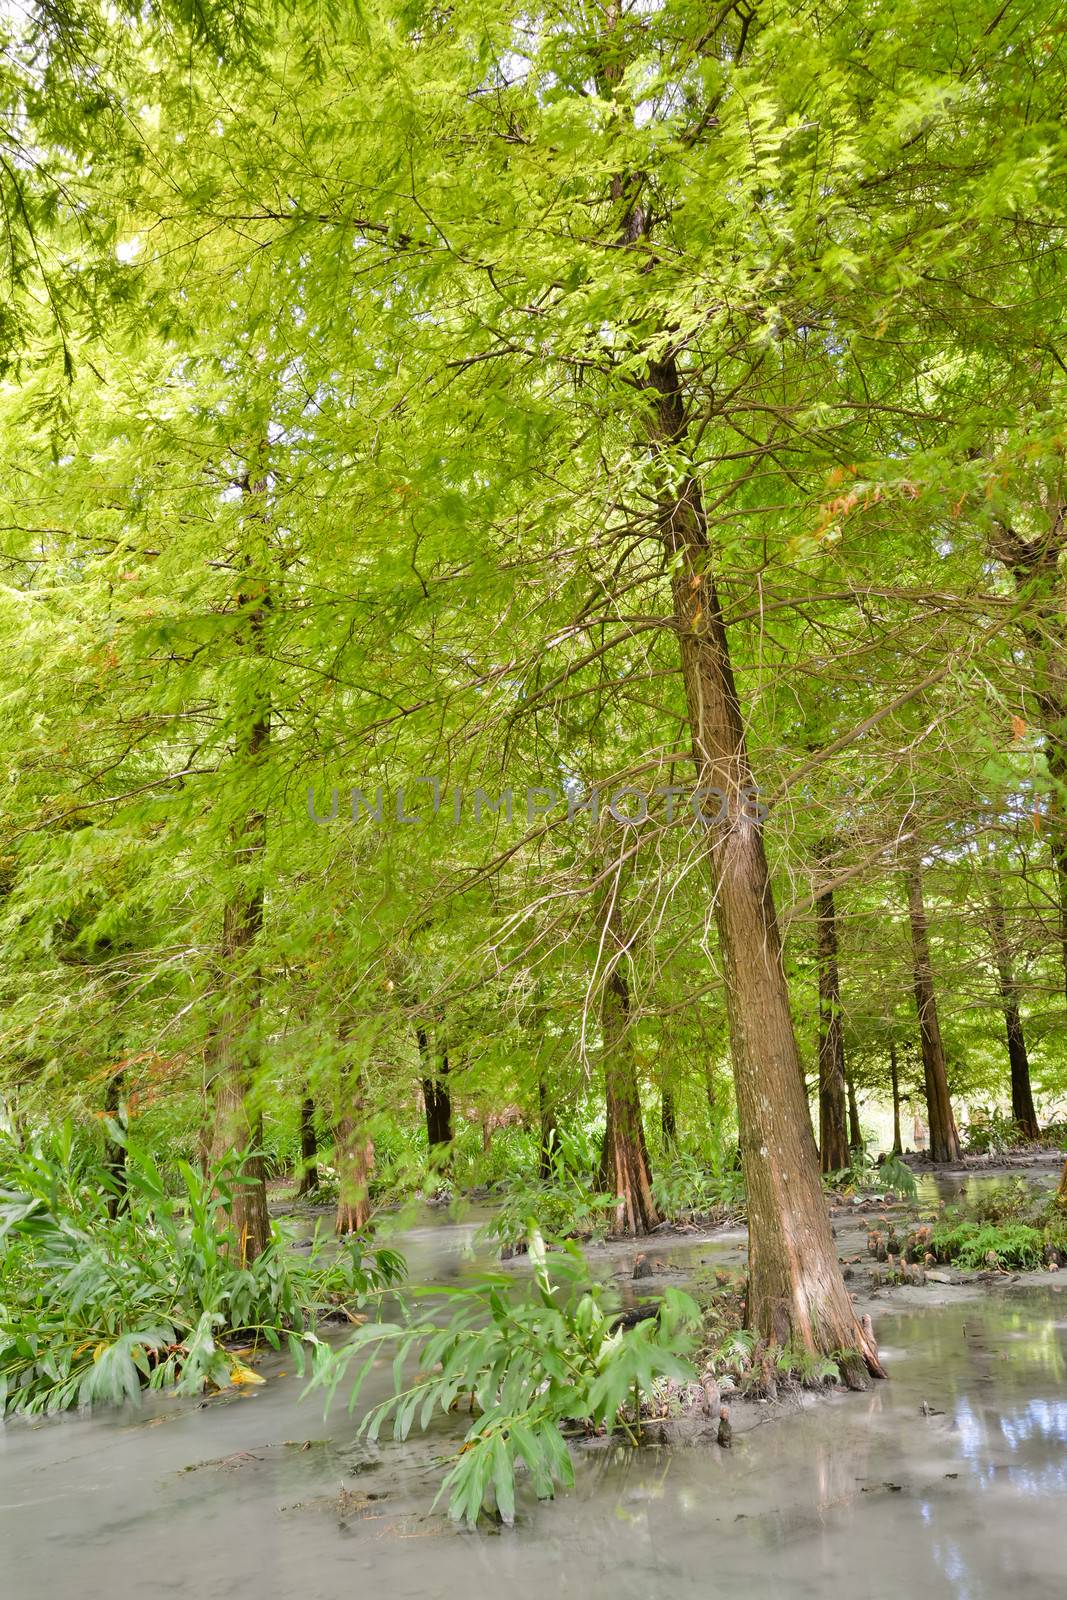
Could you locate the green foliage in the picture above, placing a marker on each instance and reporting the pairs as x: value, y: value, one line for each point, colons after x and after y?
x: 689, y: 1184
x: 93, y: 1307
x: 972, y: 1245
x: 531, y: 1360
x: 896, y: 1176
x: 559, y: 1207
x: 1012, y: 1200
x: 995, y: 1132
x: 888, y: 1176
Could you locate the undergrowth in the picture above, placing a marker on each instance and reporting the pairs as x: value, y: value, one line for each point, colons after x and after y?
x: 531, y: 1361
x: 95, y: 1307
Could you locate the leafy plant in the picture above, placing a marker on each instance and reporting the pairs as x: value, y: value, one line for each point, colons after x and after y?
x: 896, y: 1176
x: 695, y: 1185
x: 531, y: 1360
x: 92, y: 1307
x: 561, y: 1207
x: 971, y: 1245
x: 888, y: 1176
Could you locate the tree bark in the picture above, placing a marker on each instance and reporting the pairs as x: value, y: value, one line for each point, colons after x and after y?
x: 796, y: 1292
x: 546, y: 1144
x: 668, y: 1116
x: 309, y: 1172
x: 435, y: 1094
x: 855, y: 1132
x: 1022, y: 1097
x: 894, y: 1083
x: 114, y: 1152
x: 234, y: 1048
x: 1034, y: 564
x: 624, y: 1165
x: 354, y: 1160
x: 833, y: 1139
x: 944, y: 1139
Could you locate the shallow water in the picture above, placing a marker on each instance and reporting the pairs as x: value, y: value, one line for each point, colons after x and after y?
x: 859, y: 1495
x: 955, y: 1186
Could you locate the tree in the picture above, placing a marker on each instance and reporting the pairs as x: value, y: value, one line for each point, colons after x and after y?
x: 944, y: 1138
x: 833, y: 1133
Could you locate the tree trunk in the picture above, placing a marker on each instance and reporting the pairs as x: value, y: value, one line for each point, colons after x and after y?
x: 714, y: 1108
x: 796, y: 1292
x: 234, y: 1050
x: 668, y: 1116
x: 1034, y: 563
x: 833, y: 1140
x: 624, y: 1166
x: 855, y: 1132
x: 1022, y: 1098
x: 114, y: 1152
x: 894, y: 1083
x: 944, y: 1139
x: 354, y: 1160
x: 353, y: 1156
x: 435, y: 1095
x: 547, y: 1138
x: 309, y: 1172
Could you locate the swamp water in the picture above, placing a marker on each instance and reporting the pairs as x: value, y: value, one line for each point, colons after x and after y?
x: 251, y: 1495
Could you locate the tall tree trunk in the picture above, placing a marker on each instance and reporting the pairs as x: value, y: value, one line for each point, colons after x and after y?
x: 894, y: 1083
x: 114, y: 1152
x: 234, y: 1049
x: 668, y: 1116
x: 944, y: 1139
x: 1034, y: 563
x: 309, y: 1172
x: 624, y: 1166
x: 1022, y: 1097
x: 796, y: 1291
x: 833, y: 1140
x: 354, y: 1161
x: 855, y: 1132
x: 546, y: 1143
x: 714, y: 1109
x: 435, y: 1094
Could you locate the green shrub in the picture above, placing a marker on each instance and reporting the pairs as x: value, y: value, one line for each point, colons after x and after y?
x: 560, y: 1207
x: 972, y: 1244
x: 531, y: 1358
x: 693, y: 1184
x: 93, y: 1307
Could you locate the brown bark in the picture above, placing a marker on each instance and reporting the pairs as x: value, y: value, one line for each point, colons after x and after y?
x: 309, y: 1172
x: 1034, y: 564
x: 894, y: 1083
x: 668, y: 1116
x: 624, y: 1166
x: 833, y: 1139
x: 796, y: 1291
x: 546, y: 1143
x: 1022, y: 1097
x: 354, y: 1160
x: 944, y: 1139
x: 233, y: 1050
x: 233, y: 1054
x: 855, y: 1132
